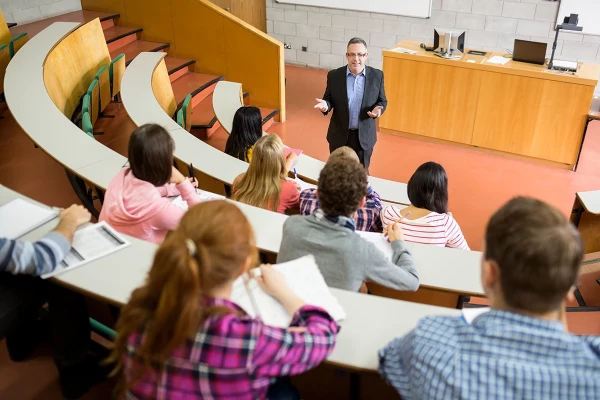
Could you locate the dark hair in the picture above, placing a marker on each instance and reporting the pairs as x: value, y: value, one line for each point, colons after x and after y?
x: 428, y: 188
x: 246, y: 130
x: 538, y: 253
x: 150, y: 154
x: 342, y: 185
x: 356, y: 40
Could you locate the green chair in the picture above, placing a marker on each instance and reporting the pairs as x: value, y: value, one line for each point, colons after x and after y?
x: 103, y: 89
x: 102, y: 330
x: 115, y: 74
x: 187, y: 112
x: 85, y: 105
x: 93, y: 92
x: 180, y: 118
x: 16, y: 43
x: 86, y: 124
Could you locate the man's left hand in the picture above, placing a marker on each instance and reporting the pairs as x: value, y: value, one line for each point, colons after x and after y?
x: 376, y: 113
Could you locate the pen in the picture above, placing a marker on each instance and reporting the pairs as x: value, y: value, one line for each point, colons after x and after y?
x: 401, y: 218
x: 191, y: 171
x: 295, y: 173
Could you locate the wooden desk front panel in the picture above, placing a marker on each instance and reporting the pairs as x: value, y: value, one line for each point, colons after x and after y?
x: 532, y: 117
x: 438, y: 101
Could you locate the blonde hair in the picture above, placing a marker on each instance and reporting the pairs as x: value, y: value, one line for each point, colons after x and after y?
x: 260, y: 186
x: 208, y: 250
x: 343, y: 152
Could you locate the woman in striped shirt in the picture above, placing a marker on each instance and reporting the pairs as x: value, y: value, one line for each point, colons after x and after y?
x: 426, y: 220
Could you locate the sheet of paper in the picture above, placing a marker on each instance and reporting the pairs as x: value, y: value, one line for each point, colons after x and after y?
x: 304, y: 185
x: 303, y: 277
x: 469, y: 314
x: 379, y: 241
x: 403, y: 50
x: 203, y: 194
x: 288, y: 150
x: 90, y: 243
x: 497, y: 60
x: 20, y: 216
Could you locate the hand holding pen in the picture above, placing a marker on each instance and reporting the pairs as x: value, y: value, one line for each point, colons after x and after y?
x: 394, y: 231
x: 192, y: 175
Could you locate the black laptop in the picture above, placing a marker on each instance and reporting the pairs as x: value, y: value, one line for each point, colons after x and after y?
x: 529, y: 52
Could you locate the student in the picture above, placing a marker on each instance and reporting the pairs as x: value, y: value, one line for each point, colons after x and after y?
x: 22, y: 294
x: 366, y: 217
x: 265, y: 184
x: 426, y: 220
x: 521, y: 348
x: 345, y: 259
x: 246, y: 130
x: 135, y: 203
x: 181, y: 336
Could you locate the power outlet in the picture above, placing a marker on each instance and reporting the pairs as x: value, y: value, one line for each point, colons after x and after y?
x: 287, y: 46
x: 304, y: 48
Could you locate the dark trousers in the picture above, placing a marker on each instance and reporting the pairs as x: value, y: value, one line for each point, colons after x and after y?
x: 20, y: 298
x: 353, y: 142
x: 282, y: 389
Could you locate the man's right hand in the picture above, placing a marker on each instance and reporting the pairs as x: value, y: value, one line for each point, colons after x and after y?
x: 321, y: 105
x: 71, y: 219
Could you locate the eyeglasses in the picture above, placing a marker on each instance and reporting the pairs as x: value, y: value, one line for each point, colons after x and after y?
x: 359, y: 55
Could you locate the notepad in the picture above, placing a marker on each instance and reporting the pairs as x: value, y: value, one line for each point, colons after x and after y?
x: 303, y: 277
x: 20, y: 217
x: 90, y: 243
x: 497, y: 60
x: 304, y: 185
x: 289, y: 150
x: 379, y: 241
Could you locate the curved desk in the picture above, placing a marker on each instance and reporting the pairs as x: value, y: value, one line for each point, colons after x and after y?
x: 368, y: 319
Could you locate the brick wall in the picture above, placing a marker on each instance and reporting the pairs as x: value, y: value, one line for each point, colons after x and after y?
x: 24, y: 11
x: 489, y: 24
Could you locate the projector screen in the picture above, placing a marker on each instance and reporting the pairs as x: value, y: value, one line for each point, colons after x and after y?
x: 409, y: 8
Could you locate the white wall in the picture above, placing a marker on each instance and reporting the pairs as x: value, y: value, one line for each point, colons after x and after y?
x: 24, y: 11
x: 490, y: 25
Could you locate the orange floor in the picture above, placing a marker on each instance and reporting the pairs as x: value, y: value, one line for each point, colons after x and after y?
x: 479, y: 182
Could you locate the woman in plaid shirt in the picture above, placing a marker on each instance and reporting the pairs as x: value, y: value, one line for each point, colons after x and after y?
x: 180, y: 337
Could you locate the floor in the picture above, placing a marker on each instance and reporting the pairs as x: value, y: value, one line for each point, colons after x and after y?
x: 479, y: 184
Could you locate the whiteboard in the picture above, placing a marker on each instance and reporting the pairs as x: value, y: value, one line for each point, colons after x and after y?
x: 588, y: 10
x: 409, y: 8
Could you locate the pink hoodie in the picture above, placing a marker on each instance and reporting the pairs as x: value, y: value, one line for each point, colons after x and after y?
x: 138, y: 208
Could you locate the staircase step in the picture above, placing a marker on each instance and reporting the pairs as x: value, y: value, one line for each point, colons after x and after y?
x: 193, y: 83
x: 83, y: 16
x: 132, y: 50
x: 203, y: 115
x: 115, y: 33
x: 177, y: 66
x: 218, y: 139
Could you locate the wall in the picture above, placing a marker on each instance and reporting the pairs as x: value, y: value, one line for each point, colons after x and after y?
x: 24, y: 11
x: 490, y: 25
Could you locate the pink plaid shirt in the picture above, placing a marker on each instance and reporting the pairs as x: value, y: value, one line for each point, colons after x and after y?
x: 234, y: 356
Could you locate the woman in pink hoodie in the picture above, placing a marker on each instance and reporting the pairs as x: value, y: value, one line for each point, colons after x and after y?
x: 135, y: 202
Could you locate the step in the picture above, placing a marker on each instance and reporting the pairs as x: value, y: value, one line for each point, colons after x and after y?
x: 203, y: 114
x: 82, y: 17
x: 268, y: 116
x: 177, y: 66
x: 132, y: 50
x: 195, y: 84
x: 218, y: 139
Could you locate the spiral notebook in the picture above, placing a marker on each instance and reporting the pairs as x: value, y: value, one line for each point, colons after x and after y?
x: 21, y: 216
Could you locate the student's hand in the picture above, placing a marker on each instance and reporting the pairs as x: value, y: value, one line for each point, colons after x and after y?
x: 292, y: 157
x: 194, y: 182
x: 321, y: 105
x: 376, y: 113
x: 71, y: 219
x: 176, y: 176
x: 272, y: 281
x: 298, y: 187
x: 394, y: 232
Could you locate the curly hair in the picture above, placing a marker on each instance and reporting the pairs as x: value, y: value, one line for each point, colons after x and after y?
x: 341, y: 187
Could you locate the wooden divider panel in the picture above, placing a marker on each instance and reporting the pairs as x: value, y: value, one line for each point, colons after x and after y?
x: 72, y: 65
x: 104, y: 88
x: 163, y: 91
x: 4, y: 60
x: 118, y: 72
x: 5, y: 35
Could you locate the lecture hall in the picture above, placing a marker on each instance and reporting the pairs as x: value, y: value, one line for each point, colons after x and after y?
x: 299, y: 199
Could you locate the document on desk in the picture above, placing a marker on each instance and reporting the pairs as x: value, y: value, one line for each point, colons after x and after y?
x: 21, y: 216
x: 90, y: 243
x: 203, y: 194
x: 379, y: 241
x: 302, y: 276
x: 497, y: 60
x: 403, y: 50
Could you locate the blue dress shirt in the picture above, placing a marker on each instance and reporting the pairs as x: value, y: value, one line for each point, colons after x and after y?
x: 355, y: 87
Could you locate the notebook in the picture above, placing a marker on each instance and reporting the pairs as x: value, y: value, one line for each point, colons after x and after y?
x: 90, y: 243
x: 204, y: 196
x: 288, y: 150
x: 379, y: 241
x: 303, y: 277
x: 20, y: 217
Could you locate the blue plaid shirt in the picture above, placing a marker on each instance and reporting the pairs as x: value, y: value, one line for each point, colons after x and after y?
x: 366, y: 218
x: 355, y: 88
x: 501, y: 355
x: 341, y: 221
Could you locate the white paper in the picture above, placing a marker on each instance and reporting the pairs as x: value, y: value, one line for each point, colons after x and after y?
x: 469, y: 314
x: 303, y: 277
x: 204, y: 196
x: 403, y: 50
x: 304, y: 185
x: 498, y: 60
x: 20, y: 216
x: 90, y: 243
x: 379, y: 241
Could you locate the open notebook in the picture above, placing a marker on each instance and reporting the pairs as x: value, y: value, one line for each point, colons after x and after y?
x: 90, y: 243
x: 203, y: 194
x: 21, y: 216
x: 379, y: 241
x: 303, y: 277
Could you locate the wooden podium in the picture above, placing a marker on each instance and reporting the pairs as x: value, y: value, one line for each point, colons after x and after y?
x: 519, y: 109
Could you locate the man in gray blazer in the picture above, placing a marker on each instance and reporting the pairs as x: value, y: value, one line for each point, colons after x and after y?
x: 356, y: 94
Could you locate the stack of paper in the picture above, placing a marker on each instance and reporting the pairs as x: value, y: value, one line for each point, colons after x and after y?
x: 497, y: 60
x: 303, y: 277
x: 20, y: 216
x: 403, y: 50
x: 90, y: 243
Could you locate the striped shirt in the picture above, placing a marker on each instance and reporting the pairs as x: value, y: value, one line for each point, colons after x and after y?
x: 234, y: 356
x: 501, y: 355
x: 36, y: 258
x: 434, y: 229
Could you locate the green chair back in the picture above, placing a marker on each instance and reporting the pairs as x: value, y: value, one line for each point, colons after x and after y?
x: 16, y: 43
x: 187, y: 112
x: 85, y: 105
x: 180, y: 118
x: 86, y: 124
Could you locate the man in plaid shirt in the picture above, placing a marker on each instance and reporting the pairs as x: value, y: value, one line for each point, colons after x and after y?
x: 520, y: 349
x: 366, y: 218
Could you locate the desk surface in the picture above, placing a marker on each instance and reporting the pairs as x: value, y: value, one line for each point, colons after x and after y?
x: 590, y: 201
x: 586, y: 75
x: 367, y: 328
